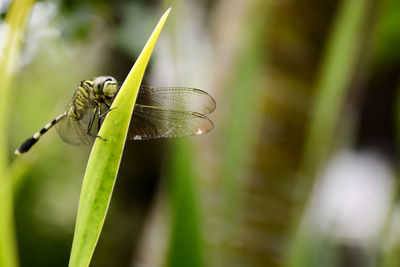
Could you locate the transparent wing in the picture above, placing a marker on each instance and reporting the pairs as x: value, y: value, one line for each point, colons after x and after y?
x: 176, y: 98
x: 149, y: 122
x: 74, y: 131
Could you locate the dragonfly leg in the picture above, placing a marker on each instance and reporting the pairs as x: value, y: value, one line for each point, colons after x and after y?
x: 98, y: 118
x: 105, y: 113
x: 97, y: 136
x: 90, y: 125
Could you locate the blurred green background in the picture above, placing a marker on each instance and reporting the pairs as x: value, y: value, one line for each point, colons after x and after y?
x: 300, y: 169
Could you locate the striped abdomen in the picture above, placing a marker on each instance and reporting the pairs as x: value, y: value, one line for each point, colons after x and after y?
x: 31, y: 141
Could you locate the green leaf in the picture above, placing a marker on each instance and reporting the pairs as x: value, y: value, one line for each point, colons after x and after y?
x: 15, y: 28
x: 105, y: 158
x: 338, y: 68
x: 186, y: 244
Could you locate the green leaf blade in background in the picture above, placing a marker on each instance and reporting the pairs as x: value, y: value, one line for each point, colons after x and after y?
x: 16, y: 19
x: 105, y: 158
x: 340, y: 64
x: 338, y: 68
x: 186, y: 243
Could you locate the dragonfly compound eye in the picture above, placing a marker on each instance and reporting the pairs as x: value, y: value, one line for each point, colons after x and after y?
x: 98, y: 85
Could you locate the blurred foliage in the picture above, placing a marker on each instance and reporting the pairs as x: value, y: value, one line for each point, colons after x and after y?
x: 296, y: 83
x: 12, y: 37
x: 186, y: 244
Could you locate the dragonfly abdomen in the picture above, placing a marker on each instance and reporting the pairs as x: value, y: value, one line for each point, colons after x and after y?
x: 31, y: 141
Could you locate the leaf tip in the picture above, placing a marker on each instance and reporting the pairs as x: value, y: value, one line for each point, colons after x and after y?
x: 167, y: 12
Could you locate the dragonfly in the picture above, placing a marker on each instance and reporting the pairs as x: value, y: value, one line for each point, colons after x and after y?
x: 159, y: 112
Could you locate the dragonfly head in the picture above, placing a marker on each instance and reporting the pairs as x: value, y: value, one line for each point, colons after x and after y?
x: 105, y: 85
